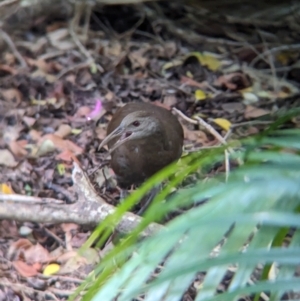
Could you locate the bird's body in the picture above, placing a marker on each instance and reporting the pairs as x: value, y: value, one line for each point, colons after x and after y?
x: 143, y: 138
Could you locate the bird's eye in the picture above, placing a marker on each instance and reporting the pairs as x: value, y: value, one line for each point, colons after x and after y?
x: 136, y: 123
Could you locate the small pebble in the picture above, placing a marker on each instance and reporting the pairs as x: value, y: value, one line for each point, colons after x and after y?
x: 25, y: 231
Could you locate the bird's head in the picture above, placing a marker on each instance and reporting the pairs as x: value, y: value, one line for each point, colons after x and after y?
x: 135, y: 125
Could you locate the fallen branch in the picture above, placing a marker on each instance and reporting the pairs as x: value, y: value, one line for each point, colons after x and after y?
x: 90, y: 208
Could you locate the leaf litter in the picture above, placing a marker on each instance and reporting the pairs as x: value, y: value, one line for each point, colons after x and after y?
x: 57, y: 110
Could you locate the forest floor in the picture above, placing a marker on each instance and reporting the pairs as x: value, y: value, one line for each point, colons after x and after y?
x: 60, y: 85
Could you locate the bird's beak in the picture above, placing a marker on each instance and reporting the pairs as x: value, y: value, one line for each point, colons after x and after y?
x: 118, y: 132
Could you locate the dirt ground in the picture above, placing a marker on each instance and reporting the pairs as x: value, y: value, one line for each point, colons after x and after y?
x: 62, y: 79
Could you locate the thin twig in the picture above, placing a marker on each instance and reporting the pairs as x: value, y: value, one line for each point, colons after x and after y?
x: 61, y: 278
x: 132, y: 29
x: 71, y: 68
x: 203, y: 123
x: 196, y: 149
x: 83, y: 50
x: 28, y: 199
x: 272, y: 66
x: 190, y: 120
x: 55, y: 237
x: 251, y: 122
x: 273, y: 50
x: 211, y: 130
x: 13, y: 48
x: 29, y: 291
x: 179, y: 88
x: 60, y: 293
x: 51, y: 55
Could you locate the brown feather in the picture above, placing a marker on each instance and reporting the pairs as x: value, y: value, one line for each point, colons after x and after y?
x: 138, y: 159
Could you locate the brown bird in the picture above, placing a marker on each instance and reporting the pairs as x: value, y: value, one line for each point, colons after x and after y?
x: 142, y: 139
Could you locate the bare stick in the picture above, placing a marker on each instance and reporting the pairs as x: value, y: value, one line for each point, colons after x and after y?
x: 211, y: 130
x: 274, y: 50
x: 13, y: 48
x: 203, y: 123
x: 22, y: 288
x: 214, y: 133
x: 190, y: 120
x: 71, y: 68
x: 83, y: 50
x: 90, y: 209
x: 251, y: 122
x: 28, y: 199
x: 61, y: 278
x: 55, y: 237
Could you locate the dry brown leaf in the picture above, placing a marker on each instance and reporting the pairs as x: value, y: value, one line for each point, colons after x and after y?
x: 232, y: 107
x: 79, y: 239
x: 40, y: 64
x: 110, y: 96
x: 61, y: 144
x: 36, y: 253
x: 253, y: 112
x: 114, y: 49
x: 35, y: 135
x: 18, y: 148
x: 67, y: 156
x: 18, y: 247
x: 252, y: 131
x: 47, y: 146
x: 137, y: 59
x: 170, y: 101
x: 40, y: 73
x: 85, y: 78
x: 54, y: 26
x: 100, y: 132
x: 12, y: 133
x: 73, y: 264
x: 29, y: 121
x: 66, y: 256
x: 9, y: 58
x: 198, y: 136
x: 159, y: 104
x: 7, y: 159
x: 233, y: 81
x: 56, y: 39
x: 36, y: 46
x: 83, y: 111
x: 8, y: 229
x: 12, y: 95
x: 190, y: 82
x: 77, y: 150
x: 8, y: 69
x: 68, y: 227
x: 63, y: 130
x: 26, y: 270
x: 71, y: 78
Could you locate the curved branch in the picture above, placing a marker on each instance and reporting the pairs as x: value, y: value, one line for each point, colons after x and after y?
x: 90, y: 208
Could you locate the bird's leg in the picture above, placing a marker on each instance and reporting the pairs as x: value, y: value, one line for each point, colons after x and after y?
x: 148, y: 198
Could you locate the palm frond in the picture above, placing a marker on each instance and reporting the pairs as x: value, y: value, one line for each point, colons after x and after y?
x: 240, y: 229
